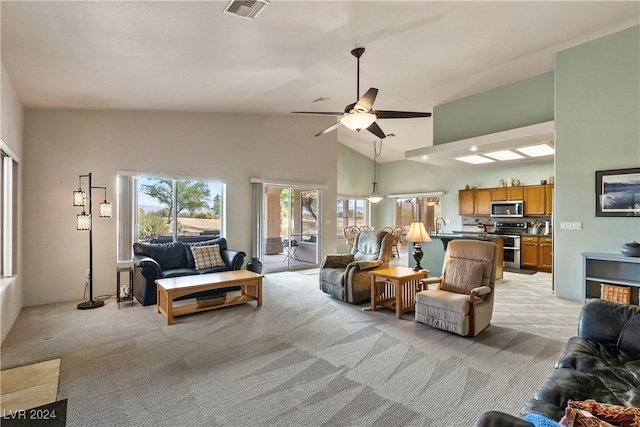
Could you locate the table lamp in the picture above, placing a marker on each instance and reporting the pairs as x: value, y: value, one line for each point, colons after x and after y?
x: 417, y: 234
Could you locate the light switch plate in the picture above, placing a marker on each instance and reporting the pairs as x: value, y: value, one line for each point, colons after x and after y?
x: 570, y: 225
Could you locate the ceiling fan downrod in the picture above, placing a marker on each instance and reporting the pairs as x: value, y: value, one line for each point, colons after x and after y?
x: 357, y: 52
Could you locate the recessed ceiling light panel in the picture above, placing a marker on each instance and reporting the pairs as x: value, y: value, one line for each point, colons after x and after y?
x: 537, y: 150
x: 475, y: 160
x: 503, y: 155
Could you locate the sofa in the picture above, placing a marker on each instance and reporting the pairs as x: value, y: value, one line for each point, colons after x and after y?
x: 601, y: 363
x: 153, y: 261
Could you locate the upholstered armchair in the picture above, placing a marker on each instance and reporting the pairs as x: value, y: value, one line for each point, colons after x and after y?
x: 462, y: 301
x: 347, y: 276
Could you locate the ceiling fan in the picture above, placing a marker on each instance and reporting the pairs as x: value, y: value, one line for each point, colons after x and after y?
x: 359, y: 115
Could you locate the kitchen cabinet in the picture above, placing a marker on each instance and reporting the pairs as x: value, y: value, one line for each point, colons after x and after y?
x: 538, y: 200
x: 482, y: 201
x: 474, y: 202
x: 548, y: 199
x: 500, y: 194
x: 534, y: 200
x: 545, y: 257
x: 529, y: 252
x: 465, y: 202
x: 536, y: 252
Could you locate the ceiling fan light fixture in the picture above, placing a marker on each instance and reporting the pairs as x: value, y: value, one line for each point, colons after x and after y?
x: 357, y: 120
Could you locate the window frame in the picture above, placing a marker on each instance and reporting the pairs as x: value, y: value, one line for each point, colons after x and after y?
x: 128, y: 205
x: 365, y: 214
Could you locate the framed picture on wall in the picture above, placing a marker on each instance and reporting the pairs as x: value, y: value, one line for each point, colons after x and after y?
x: 618, y: 192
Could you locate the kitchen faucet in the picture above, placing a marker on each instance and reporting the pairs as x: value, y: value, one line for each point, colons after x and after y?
x: 440, y: 223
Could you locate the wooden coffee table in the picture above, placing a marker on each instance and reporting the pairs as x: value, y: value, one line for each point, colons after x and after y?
x: 175, y: 287
x: 395, y: 288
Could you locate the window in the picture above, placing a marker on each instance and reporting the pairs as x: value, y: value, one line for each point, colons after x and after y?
x: 156, y: 207
x: 350, y: 212
x: 8, y: 214
x: 426, y: 209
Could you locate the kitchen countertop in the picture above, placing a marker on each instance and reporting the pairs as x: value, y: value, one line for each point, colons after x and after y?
x: 537, y: 235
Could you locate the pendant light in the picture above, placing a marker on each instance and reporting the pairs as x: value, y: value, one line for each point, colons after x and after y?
x: 374, y: 197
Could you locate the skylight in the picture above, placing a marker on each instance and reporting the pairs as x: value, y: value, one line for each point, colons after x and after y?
x: 503, y: 155
x: 475, y: 160
x: 537, y: 150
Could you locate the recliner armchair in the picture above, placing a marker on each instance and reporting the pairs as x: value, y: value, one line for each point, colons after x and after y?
x: 347, y: 276
x: 463, y: 299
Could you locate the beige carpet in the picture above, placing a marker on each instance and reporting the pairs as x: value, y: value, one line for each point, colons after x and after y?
x: 29, y: 386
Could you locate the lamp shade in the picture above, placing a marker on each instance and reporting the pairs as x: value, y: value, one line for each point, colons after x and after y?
x: 358, y: 120
x: 79, y: 197
x: 106, y: 209
x: 417, y: 233
x: 84, y: 221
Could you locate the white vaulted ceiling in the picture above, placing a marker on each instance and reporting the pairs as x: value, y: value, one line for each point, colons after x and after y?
x: 189, y: 56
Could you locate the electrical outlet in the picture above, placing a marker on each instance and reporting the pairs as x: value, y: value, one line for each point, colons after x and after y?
x: 447, y: 221
x: 571, y: 225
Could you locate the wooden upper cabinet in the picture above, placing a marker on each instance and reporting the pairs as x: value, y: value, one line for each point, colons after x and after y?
x: 548, y: 199
x: 515, y: 193
x: 482, y: 201
x: 538, y: 199
x: 499, y: 194
x: 534, y: 200
x: 465, y: 202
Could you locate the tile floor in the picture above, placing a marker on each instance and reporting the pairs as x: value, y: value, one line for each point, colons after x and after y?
x: 526, y: 302
x: 29, y: 386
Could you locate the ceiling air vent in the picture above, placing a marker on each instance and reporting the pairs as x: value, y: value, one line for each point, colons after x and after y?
x: 245, y: 8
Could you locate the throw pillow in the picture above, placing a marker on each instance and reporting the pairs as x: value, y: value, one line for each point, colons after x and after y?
x: 606, y: 413
x: 207, y: 257
x: 462, y: 275
x: 541, y: 421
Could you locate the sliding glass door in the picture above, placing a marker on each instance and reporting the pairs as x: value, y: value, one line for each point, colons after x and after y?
x: 289, y: 229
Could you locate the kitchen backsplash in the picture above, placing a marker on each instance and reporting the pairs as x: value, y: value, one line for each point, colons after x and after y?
x: 470, y: 223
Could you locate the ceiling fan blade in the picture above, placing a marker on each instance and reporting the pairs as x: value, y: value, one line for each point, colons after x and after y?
x: 334, y: 126
x: 320, y: 113
x: 375, y: 129
x: 390, y: 114
x: 366, y: 101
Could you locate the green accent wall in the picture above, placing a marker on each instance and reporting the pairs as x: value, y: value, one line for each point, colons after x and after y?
x: 597, y: 128
x: 515, y: 105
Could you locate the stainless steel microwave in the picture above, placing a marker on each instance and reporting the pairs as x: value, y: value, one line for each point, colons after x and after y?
x: 511, y: 208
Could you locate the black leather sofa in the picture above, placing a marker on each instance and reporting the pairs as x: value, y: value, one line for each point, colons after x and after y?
x: 153, y: 261
x: 601, y: 363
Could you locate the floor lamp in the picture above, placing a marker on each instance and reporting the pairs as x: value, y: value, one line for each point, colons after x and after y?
x: 417, y: 235
x: 85, y: 222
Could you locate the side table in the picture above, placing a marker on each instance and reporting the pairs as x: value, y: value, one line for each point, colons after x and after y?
x: 129, y: 297
x: 395, y: 288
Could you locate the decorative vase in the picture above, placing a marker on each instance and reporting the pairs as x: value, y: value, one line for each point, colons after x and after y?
x: 631, y: 249
x: 510, y: 182
x: 516, y: 183
x: 502, y: 183
x: 255, y: 265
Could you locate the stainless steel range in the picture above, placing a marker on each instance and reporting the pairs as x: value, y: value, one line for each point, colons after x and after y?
x: 511, y: 233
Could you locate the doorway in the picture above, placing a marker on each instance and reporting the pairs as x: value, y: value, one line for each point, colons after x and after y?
x: 289, y: 237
